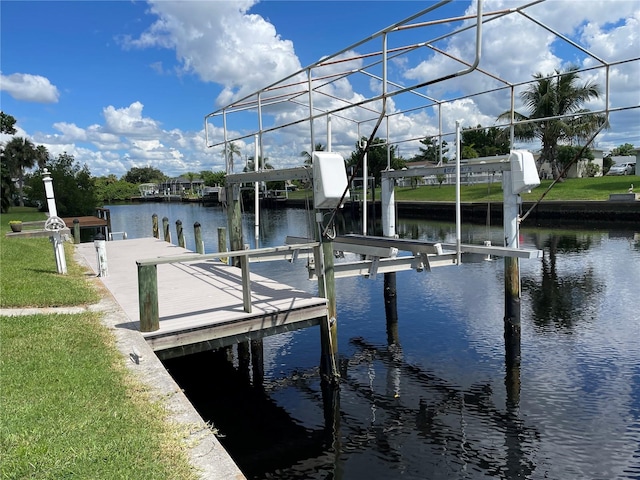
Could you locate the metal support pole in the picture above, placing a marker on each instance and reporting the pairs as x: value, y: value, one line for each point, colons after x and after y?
x: 458, y: 212
x: 256, y: 188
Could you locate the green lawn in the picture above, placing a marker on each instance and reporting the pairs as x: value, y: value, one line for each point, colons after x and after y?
x: 597, y: 188
x: 70, y: 409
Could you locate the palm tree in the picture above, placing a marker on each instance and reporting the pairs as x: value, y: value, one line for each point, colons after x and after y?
x: 557, y: 99
x: 42, y: 156
x: 20, y: 154
x: 229, y: 151
x: 263, y: 164
x: 308, y: 157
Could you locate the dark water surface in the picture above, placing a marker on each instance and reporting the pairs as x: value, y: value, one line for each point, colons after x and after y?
x: 433, y: 399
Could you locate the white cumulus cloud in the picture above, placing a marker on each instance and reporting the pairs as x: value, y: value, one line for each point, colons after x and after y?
x: 30, y: 88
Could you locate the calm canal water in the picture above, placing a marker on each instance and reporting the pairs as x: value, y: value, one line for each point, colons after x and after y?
x: 434, y: 400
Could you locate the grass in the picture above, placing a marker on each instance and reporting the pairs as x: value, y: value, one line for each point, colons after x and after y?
x: 588, y: 189
x: 28, y: 275
x: 70, y: 408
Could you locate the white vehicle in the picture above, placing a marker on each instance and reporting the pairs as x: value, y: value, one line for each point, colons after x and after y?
x: 628, y: 168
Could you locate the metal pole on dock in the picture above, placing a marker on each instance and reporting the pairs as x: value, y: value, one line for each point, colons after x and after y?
x: 256, y: 198
x: 180, y: 233
x: 154, y: 219
x: 197, y: 234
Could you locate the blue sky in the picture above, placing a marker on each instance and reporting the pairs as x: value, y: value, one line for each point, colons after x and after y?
x: 121, y: 84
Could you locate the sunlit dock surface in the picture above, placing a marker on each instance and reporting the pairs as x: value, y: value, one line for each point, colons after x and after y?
x: 200, y: 302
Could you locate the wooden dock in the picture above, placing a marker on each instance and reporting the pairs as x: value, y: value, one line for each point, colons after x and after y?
x: 201, y: 302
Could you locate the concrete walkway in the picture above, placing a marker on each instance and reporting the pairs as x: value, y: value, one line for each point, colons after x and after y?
x: 207, y: 455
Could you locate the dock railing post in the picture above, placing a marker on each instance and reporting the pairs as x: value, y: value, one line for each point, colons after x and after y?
x: 148, y: 297
x: 156, y: 231
x: 197, y: 234
x: 246, y: 283
x: 165, y: 229
x: 180, y: 233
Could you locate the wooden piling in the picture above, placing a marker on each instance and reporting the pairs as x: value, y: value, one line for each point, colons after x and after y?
x: 154, y: 219
x: 180, y: 233
x: 148, y: 298
x: 197, y: 234
x: 257, y: 362
x: 512, y: 328
x: 244, y: 359
x: 76, y: 231
x: 391, y: 308
x: 165, y: 229
x: 234, y: 216
x: 328, y: 327
x: 222, y: 243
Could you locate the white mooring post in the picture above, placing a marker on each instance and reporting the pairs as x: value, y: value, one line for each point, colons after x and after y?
x: 54, y: 224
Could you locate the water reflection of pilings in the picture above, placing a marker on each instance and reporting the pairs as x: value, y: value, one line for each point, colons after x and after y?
x: 431, y: 416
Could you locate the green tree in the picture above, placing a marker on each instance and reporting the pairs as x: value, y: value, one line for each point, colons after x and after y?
x: 138, y: 175
x: 7, y: 123
x: 552, y: 96
x: 263, y: 164
x: 109, y: 189
x: 486, y: 142
x: 376, y: 158
x: 73, y: 186
x: 623, y: 150
x: 20, y: 155
x: 308, y: 157
x: 567, y: 153
x: 230, y: 151
x: 191, y: 176
x: 430, y: 151
x: 212, y: 179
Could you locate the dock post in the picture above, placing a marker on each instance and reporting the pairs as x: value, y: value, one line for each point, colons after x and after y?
x: 257, y: 362
x: 180, y: 233
x: 512, y: 326
x: 197, y: 234
x: 235, y: 221
x: 76, y: 231
x: 329, y: 325
x: 244, y: 359
x: 389, y: 230
x: 165, y: 229
x: 222, y: 243
x: 148, y: 297
x: 156, y: 231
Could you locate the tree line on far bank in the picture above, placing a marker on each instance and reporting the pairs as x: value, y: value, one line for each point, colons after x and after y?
x: 555, y: 116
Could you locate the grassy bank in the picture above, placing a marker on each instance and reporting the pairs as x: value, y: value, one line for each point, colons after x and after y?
x: 597, y: 189
x: 70, y: 408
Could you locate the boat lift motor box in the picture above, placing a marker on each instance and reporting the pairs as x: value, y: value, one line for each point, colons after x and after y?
x: 329, y: 179
x: 524, y: 174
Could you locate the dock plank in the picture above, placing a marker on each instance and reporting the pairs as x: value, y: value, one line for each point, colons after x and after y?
x: 200, y: 302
